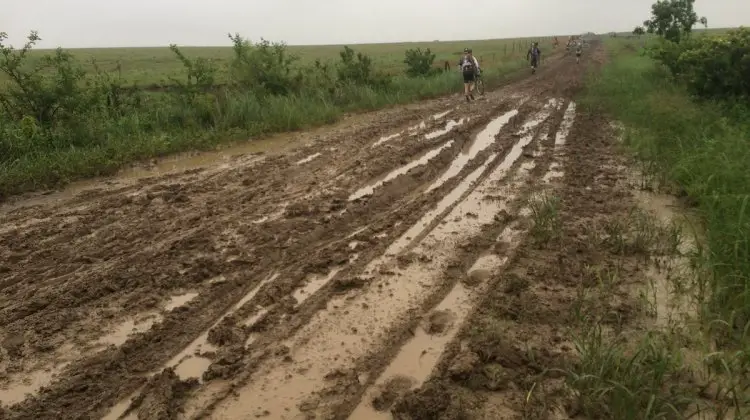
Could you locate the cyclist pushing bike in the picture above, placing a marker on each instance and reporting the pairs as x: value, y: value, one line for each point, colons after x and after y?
x: 470, y: 69
x: 534, y: 55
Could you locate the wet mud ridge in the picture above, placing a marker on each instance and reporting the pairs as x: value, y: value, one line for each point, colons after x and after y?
x: 325, y: 280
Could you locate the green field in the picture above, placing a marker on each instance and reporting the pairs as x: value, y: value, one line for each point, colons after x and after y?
x: 78, y: 119
x: 156, y: 65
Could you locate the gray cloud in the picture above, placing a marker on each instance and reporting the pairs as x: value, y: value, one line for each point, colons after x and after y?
x: 108, y: 23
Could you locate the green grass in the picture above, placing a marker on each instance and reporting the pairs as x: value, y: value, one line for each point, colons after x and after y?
x: 100, y: 146
x: 155, y: 65
x: 701, y: 150
x: 98, y: 141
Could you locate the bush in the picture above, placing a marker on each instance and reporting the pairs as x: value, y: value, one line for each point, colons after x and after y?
x: 48, y: 90
x: 419, y: 63
x: 711, y: 67
x: 357, y: 68
x: 264, y: 67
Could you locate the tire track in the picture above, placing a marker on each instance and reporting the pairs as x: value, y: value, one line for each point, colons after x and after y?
x: 155, y: 257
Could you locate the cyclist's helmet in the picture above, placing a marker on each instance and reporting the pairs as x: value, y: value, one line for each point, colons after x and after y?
x: 467, y: 50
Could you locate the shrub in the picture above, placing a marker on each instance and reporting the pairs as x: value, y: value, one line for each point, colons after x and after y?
x: 711, y: 67
x: 357, y: 68
x: 419, y: 63
x: 264, y: 67
x: 48, y: 89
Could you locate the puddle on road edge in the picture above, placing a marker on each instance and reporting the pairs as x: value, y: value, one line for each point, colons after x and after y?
x: 422, y: 160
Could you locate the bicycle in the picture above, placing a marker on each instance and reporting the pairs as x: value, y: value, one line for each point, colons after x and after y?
x: 479, y: 83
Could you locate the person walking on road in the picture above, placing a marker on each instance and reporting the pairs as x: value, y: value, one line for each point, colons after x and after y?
x: 534, y: 54
x: 469, y: 68
x: 579, y: 51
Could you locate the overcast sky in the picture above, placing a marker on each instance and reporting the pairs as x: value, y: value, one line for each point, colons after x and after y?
x: 113, y: 23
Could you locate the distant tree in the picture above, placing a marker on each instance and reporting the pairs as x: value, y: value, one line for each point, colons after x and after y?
x: 672, y: 19
x: 704, y: 22
x: 638, y: 31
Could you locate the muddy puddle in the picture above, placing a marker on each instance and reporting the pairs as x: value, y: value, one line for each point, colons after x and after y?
x: 190, y: 362
x: 239, y: 154
x: 441, y: 115
x: 449, y: 126
x: 31, y: 383
x: 313, y: 285
x: 412, y: 234
x: 386, y: 139
x: 354, y: 321
x: 123, y: 331
x: 419, y: 356
x: 480, y: 142
x: 487, y: 136
x: 422, y: 160
x: 309, y: 158
x: 180, y: 300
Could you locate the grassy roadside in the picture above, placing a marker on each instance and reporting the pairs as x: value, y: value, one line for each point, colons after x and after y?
x: 160, y: 125
x: 697, y: 366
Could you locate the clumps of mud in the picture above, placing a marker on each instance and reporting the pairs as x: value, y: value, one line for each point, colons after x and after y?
x: 405, y: 260
x: 226, y: 363
x: 162, y: 396
x: 463, y: 365
x: 226, y: 333
x: 476, y: 277
x: 438, y: 322
x: 390, y: 391
x: 345, y: 284
x: 434, y: 401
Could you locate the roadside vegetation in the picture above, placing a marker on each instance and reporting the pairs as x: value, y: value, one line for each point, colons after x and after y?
x: 62, y: 118
x: 682, y: 99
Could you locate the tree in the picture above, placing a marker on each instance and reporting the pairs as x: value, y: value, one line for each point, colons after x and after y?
x: 638, y: 31
x: 672, y: 19
x: 704, y: 22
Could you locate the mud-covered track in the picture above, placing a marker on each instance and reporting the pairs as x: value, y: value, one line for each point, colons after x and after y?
x: 276, y: 254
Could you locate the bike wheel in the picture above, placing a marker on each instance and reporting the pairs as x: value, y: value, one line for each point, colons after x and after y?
x: 480, y: 86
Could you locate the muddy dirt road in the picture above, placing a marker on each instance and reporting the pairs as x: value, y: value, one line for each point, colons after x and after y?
x: 280, y: 285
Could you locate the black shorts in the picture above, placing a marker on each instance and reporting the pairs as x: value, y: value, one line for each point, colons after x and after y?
x: 578, y: 54
x: 470, y: 76
x: 534, y: 61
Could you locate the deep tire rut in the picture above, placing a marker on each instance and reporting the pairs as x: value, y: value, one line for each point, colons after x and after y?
x: 247, y: 239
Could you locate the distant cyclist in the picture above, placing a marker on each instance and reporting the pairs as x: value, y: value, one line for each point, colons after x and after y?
x: 470, y: 69
x: 579, y: 51
x: 533, y: 55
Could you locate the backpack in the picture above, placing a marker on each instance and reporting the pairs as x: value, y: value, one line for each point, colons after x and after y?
x: 467, y: 64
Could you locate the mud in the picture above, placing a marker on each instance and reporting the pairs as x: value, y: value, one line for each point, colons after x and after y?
x: 510, y: 356
x: 249, y: 283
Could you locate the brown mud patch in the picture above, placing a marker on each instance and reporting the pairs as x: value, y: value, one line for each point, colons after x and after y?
x: 84, y: 263
x: 162, y: 396
x: 516, y: 355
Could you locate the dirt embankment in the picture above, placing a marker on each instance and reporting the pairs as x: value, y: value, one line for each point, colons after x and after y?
x: 309, y: 281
